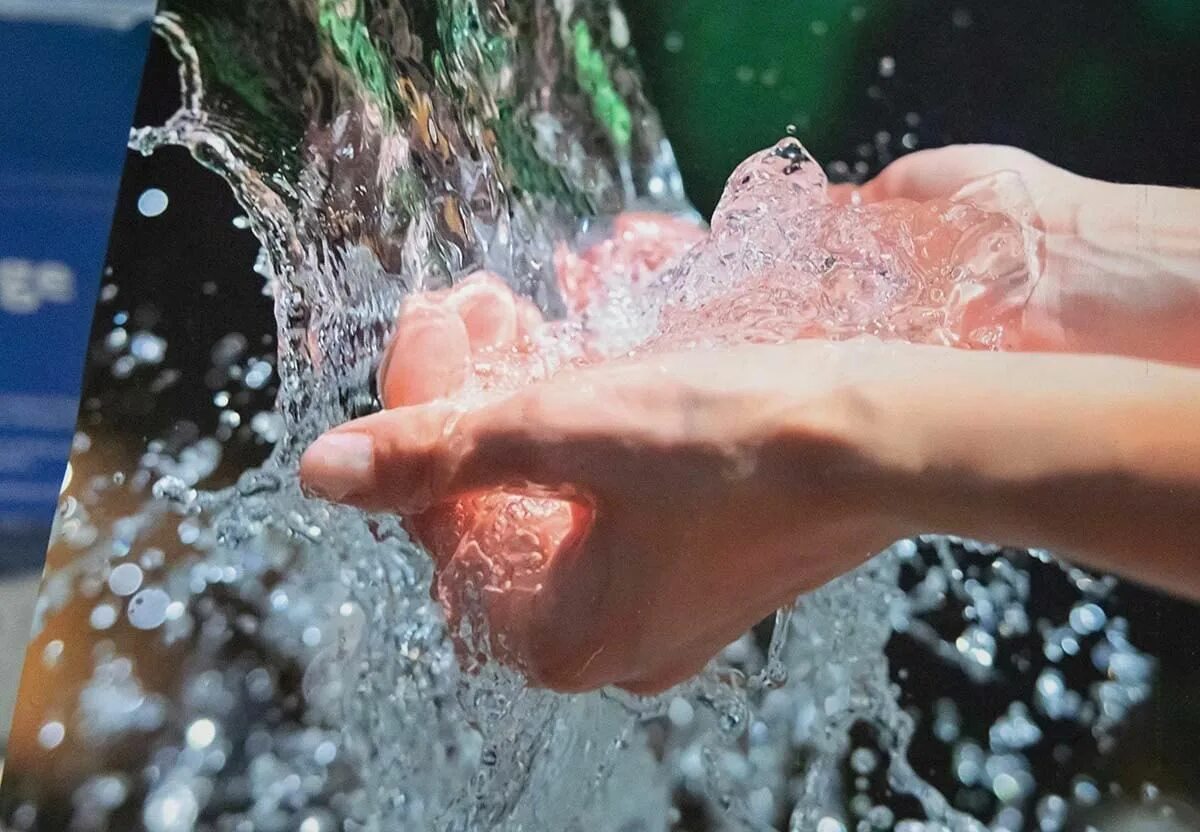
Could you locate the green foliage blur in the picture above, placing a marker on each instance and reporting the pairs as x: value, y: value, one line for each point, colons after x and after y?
x: 1109, y: 88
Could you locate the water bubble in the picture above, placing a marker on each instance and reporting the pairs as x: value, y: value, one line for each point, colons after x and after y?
x: 881, y: 817
x: 172, y: 807
x: 103, y: 616
x: 887, y: 66
x: 152, y: 559
x: 228, y: 350
x: 258, y: 374
x: 152, y: 202
x: 124, y: 366
x: 680, y: 712
x: 1051, y: 813
x: 267, y: 426
x: 147, y: 348
x: 673, y: 41
x: 325, y: 753
x: 978, y: 646
x: 1014, y: 730
x: 1006, y: 787
x: 148, y: 609
x: 946, y: 720
x: 51, y: 735
x: 201, y: 733
x: 863, y: 761
x: 1086, y: 619
x: 125, y: 579
x: 52, y: 653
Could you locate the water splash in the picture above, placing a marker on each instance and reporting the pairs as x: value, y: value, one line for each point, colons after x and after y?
x: 380, y: 150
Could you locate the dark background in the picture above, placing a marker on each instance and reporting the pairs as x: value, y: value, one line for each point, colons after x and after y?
x: 1107, y: 88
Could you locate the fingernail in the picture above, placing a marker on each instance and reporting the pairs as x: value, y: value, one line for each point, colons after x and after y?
x: 339, y: 464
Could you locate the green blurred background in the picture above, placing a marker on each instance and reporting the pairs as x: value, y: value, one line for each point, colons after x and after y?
x: 1108, y: 88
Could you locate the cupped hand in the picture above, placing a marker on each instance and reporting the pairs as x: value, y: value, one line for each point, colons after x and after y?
x: 666, y: 504
x: 1054, y: 194
x: 1118, y: 264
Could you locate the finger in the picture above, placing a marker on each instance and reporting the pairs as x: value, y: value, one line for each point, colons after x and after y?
x: 488, y: 309
x: 565, y: 631
x: 440, y: 529
x: 842, y: 194
x: 664, y: 679
x: 406, y: 460
x: 940, y: 173
x: 529, y: 318
x: 429, y: 357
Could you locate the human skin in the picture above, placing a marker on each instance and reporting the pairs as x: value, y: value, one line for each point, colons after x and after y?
x: 1120, y: 263
x: 730, y: 480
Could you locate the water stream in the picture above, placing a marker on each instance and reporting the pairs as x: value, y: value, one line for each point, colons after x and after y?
x: 385, y: 148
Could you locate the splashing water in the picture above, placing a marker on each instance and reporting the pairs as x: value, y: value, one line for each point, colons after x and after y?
x: 379, y: 151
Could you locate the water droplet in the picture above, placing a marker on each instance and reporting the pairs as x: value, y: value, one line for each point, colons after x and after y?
x: 863, y: 760
x: 52, y: 653
x: 152, y: 202
x: 51, y: 735
x: 148, y: 609
x: 125, y: 579
x: 103, y: 616
x: 325, y: 753
x: 201, y: 733
x: 680, y: 712
x: 171, y: 808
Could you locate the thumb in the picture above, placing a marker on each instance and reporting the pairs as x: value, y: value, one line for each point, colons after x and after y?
x: 411, y: 458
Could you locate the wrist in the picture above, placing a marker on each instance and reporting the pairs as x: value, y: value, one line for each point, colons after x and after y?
x: 1036, y: 450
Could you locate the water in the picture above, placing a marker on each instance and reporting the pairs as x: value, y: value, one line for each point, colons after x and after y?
x: 313, y: 681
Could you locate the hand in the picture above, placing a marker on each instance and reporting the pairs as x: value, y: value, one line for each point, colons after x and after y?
x: 1054, y: 194
x: 692, y: 495
x: 1120, y: 264
x: 446, y: 338
x: 622, y: 524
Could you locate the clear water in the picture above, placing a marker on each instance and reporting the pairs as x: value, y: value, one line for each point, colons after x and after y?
x: 380, y: 150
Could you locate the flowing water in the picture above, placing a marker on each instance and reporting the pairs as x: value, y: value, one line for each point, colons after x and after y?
x: 381, y: 149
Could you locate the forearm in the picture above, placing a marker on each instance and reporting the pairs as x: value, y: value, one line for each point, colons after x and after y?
x: 1095, y: 458
x: 1122, y: 275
